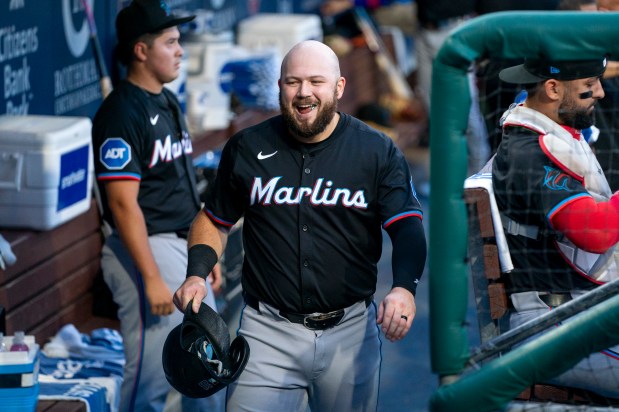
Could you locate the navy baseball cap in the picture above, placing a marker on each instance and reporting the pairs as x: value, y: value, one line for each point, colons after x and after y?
x: 145, y: 16
x: 533, y: 71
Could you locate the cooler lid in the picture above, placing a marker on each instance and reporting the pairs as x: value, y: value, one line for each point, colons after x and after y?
x: 42, y: 128
x: 278, y: 22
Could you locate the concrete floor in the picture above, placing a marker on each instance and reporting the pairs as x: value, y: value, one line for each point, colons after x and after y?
x: 407, y: 380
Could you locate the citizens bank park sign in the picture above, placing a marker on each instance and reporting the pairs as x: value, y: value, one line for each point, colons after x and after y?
x: 46, y: 57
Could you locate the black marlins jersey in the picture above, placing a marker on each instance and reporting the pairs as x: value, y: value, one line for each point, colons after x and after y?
x: 312, y: 212
x: 143, y: 137
x: 530, y: 188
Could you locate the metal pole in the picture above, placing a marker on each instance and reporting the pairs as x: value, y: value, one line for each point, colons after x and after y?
x: 534, y: 326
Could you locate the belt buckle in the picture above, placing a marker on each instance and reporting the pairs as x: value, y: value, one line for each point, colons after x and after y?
x: 317, y: 321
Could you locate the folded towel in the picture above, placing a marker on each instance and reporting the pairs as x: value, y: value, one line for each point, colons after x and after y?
x: 104, y: 343
x: 83, y: 367
x: 99, y: 394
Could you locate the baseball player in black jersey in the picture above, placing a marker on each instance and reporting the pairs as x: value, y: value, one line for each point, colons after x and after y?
x: 145, y: 172
x: 315, y: 186
x: 560, y: 216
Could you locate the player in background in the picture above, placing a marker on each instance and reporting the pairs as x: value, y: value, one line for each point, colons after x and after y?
x: 315, y: 187
x: 145, y: 173
x: 560, y: 216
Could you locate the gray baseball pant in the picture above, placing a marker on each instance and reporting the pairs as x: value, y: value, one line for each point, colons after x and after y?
x: 144, y: 386
x: 599, y: 372
x: 291, y: 367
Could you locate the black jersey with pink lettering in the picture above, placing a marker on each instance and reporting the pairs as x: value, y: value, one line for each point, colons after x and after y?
x: 142, y: 136
x: 313, y: 213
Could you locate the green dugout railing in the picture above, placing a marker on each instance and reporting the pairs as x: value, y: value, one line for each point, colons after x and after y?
x: 504, y: 35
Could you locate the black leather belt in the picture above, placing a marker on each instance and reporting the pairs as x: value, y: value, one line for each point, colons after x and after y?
x: 313, y: 321
x: 554, y: 299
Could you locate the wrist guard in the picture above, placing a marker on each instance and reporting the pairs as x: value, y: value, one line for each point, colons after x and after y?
x: 201, y: 260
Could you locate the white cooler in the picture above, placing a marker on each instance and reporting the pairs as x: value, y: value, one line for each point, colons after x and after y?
x: 46, y: 170
x: 278, y: 30
x: 208, y: 105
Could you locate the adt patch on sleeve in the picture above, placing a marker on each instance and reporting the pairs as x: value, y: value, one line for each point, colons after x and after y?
x: 115, y: 153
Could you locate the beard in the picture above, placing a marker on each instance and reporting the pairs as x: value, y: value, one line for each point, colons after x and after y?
x: 573, y: 116
x: 303, y: 129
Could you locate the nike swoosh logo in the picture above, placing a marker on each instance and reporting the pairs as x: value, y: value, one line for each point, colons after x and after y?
x: 262, y: 157
x: 153, y: 120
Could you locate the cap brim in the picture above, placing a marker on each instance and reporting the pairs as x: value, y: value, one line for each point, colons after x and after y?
x: 518, y: 75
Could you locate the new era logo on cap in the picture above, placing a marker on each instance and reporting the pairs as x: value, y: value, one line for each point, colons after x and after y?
x: 554, y: 70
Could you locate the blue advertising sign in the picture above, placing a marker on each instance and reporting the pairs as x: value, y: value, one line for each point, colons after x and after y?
x: 46, y: 59
x: 73, y: 184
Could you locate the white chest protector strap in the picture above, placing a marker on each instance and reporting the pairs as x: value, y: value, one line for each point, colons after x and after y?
x: 483, y: 179
x: 575, y: 157
x: 571, y: 155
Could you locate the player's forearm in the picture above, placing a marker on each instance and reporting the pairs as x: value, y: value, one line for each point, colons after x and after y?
x: 204, y: 231
x: 131, y: 227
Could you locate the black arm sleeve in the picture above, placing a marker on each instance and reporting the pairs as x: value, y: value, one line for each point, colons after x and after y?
x: 408, y: 258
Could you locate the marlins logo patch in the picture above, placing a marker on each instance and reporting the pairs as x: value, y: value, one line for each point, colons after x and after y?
x: 115, y: 153
x: 556, y: 179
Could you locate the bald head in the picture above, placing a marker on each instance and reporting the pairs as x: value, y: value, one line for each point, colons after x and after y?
x: 311, y: 52
x: 310, y: 86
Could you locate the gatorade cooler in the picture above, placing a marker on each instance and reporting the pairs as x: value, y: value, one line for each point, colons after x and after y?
x: 46, y: 170
x: 19, y: 378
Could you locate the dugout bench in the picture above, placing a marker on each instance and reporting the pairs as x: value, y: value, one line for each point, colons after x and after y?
x: 55, y: 281
x: 492, y: 301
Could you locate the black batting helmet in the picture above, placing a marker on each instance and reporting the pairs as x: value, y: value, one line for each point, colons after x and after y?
x: 198, y: 359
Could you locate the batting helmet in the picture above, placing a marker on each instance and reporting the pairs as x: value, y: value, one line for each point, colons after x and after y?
x: 198, y: 359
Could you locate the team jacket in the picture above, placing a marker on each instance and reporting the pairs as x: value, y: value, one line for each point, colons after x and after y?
x: 312, y: 212
x: 541, y: 167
